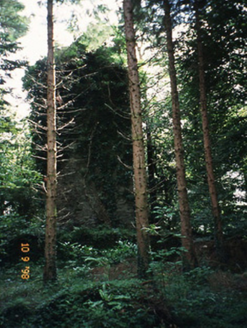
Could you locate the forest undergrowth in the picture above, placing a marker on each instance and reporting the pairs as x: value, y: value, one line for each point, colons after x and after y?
x: 100, y: 288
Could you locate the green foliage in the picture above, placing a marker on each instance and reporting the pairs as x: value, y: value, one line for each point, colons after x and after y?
x: 187, y: 299
x: 223, y: 32
x: 192, y: 300
x: 95, y: 36
x: 224, y: 41
x: 207, y: 308
x: 19, y: 187
x: 100, y: 237
x: 167, y: 217
x: 122, y: 251
x: 86, y: 304
x: 13, y: 26
x: 80, y: 257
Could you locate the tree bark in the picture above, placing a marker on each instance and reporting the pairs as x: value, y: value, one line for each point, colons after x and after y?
x: 186, y: 231
x: 151, y: 176
x: 51, y: 214
x: 206, y: 138
x: 140, y: 179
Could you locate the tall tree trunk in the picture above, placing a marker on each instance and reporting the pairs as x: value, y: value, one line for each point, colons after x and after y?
x: 186, y: 231
x: 245, y: 186
x: 151, y: 176
x: 206, y: 139
x: 140, y: 179
x: 51, y: 215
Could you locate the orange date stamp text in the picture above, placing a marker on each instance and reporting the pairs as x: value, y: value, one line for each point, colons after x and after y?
x: 25, y: 248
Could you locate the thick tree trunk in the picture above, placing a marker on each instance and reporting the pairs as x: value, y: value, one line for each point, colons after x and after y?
x: 206, y: 139
x: 186, y: 232
x: 140, y: 180
x: 51, y: 215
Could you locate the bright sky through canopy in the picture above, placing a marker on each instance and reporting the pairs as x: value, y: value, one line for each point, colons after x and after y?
x: 34, y: 43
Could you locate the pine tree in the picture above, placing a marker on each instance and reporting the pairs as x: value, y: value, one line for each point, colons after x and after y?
x: 186, y: 231
x: 140, y: 179
x: 12, y: 27
x: 51, y: 214
x: 206, y: 137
